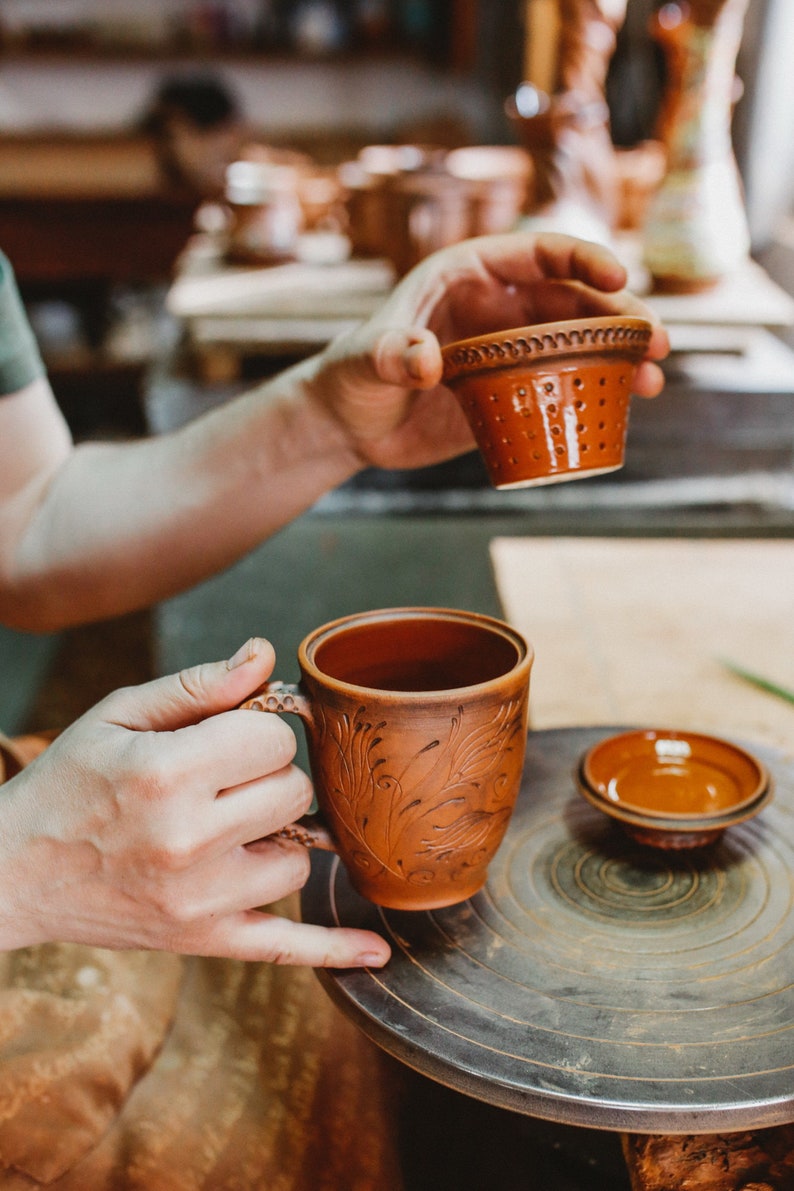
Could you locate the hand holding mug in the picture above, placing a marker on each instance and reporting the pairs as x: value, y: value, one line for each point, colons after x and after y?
x: 141, y: 827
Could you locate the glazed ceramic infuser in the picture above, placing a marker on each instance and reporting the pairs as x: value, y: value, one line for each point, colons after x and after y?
x: 550, y: 402
x: 416, y: 720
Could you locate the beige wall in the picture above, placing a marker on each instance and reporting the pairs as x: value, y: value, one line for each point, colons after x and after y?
x: 90, y: 95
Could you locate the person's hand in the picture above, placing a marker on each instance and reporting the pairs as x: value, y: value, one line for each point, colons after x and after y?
x: 142, y: 826
x: 381, y: 381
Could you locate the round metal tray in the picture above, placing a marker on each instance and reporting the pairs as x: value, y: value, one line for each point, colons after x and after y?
x: 593, y: 981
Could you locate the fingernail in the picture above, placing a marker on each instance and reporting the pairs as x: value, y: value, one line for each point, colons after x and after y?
x: 415, y: 362
x: 244, y: 654
x: 372, y: 959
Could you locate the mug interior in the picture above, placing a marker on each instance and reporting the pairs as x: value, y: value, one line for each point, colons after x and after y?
x: 415, y: 653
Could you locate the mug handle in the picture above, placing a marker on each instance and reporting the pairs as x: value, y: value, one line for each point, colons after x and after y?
x: 310, y: 830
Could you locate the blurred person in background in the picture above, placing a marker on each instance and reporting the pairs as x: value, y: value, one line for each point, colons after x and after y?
x: 197, y: 128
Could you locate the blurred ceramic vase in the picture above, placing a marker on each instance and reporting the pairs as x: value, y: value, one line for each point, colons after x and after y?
x: 566, y: 130
x: 696, y: 229
x: 567, y: 138
x: 497, y: 182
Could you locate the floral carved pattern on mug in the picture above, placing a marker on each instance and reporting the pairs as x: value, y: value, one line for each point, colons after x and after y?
x: 412, y: 813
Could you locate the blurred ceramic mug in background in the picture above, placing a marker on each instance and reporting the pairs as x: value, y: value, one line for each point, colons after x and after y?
x: 416, y: 720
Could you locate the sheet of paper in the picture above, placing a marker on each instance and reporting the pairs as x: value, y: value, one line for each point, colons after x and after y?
x: 630, y: 631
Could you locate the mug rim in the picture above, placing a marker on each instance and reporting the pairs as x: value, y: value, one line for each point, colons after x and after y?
x: 314, y: 639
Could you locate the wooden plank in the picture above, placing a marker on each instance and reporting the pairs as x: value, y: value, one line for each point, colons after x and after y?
x: 267, y: 334
x: 219, y: 290
x: 107, y: 239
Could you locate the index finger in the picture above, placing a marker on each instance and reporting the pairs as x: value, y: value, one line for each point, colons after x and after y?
x: 225, y: 750
x: 594, y: 264
x: 255, y: 935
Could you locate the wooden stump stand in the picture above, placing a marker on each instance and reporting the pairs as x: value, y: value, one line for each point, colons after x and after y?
x: 762, y: 1160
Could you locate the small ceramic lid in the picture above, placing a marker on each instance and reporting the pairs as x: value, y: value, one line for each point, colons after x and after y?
x: 674, y: 777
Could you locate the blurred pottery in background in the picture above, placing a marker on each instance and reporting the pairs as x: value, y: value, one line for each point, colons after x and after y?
x: 551, y: 402
x: 322, y: 199
x: 277, y: 200
x: 497, y: 181
x: 639, y: 170
x: 425, y: 211
x: 369, y: 182
x: 406, y: 201
x: 696, y: 229
x: 265, y: 215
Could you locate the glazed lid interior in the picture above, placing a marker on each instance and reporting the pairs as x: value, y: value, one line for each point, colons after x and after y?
x: 673, y: 775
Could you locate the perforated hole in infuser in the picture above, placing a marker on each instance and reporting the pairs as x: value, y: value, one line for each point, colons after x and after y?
x: 551, y: 407
x: 556, y: 431
x: 560, y: 450
x: 549, y: 386
x: 578, y: 382
x: 579, y: 404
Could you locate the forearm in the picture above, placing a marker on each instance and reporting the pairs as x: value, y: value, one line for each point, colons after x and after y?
x: 120, y: 526
x: 100, y: 530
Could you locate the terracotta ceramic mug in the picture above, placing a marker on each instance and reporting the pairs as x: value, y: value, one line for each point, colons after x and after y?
x: 416, y: 720
x: 549, y: 402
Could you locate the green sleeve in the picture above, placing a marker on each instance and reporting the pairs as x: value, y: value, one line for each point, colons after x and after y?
x: 20, y: 360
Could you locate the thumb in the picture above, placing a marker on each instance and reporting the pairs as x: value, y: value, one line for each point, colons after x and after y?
x: 193, y: 694
x: 408, y: 356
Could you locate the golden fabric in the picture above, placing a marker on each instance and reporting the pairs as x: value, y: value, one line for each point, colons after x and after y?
x: 143, y: 1071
